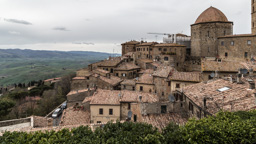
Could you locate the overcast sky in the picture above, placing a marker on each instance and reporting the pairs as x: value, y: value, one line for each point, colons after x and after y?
x: 102, y: 25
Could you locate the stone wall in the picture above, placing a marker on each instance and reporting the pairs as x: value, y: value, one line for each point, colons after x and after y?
x: 146, y: 87
x: 237, y: 47
x: 204, y: 37
x: 40, y: 121
x: 163, y: 89
x: 126, y: 48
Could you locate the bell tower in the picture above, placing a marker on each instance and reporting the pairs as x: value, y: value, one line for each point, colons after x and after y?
x: 253, y: 16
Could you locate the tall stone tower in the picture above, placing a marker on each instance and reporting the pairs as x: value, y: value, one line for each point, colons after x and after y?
x: 210, y: 25
x: 253, y: 16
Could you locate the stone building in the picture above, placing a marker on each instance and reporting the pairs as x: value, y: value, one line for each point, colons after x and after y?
x: 144, y: 50
x: 77, y: 96
x: 170, y: 54
x: 210, y: 25
x: 179, y: 80
x: 209, y: 98
x: 128, y: 85
x: 145, y: 83
x: 127, y: 70
x: 237, y: 47
x: 161, y: 82
x: 107, y: 105
x: 129, y: 47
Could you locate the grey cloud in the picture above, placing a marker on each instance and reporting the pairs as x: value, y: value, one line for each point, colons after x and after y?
x: 86, y: 43
x: 60, y: 28
x: 14, y: 32
x: 18, y: 21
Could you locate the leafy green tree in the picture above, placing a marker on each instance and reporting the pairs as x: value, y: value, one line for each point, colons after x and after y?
x: 5, y: 106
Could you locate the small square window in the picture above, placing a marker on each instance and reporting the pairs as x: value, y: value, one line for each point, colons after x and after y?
x: 245, y: 54
x: 232, y: 43
x: 101, y: 111
x: 160, y: 49
x: 98, y: 122
x: 110, y: 111
x: 177, y: 85
x: 222, y: 43
x: 165, y: 49
x: 226, y: 54
x: 249, y: 42
x: 141, y: 88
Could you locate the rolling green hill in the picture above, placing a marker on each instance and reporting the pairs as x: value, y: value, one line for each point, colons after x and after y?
x: 22, y: 66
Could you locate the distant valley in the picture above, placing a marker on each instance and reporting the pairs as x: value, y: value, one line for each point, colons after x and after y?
x: 22, y: 66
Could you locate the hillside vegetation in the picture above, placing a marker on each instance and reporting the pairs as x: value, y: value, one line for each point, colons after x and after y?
x: 22, y: 66
x: 226, y: 127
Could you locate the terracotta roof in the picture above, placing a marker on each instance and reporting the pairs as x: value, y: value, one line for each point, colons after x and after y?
x: 145, y: 79
x: 156, y: 64
x: 169, y: 45
x: 147, y: 43
x: 113, y: 80
x: 162, y: 120
x: 145, y: 60
x: 112, y: 97
x: 83, y: 73
x: 163, y: 71
x: 129, y: 54
x: 224, y: 66
x: 146, y: 71
x: 112, y: 62
x: 79, y: 78
x: 100, y: 71
x: 105, y: 97
x: 78, y: 91
x: 133, y: 96
x: 128, y: 82
x: 49, y: 80
x: 87, y: 99
x: 127, y: 66
x: 131, y: 42
x: 221, y: 94
x: 186, y: 76
x: 75, y: 117
x: 211, y: 14
x: 239, y: 35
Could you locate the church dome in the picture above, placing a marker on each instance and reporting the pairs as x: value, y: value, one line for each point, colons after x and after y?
x: 212, y: 14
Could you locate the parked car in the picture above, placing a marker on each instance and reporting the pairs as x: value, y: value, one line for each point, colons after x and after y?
x: 57, y: 113
x: 64, y: 105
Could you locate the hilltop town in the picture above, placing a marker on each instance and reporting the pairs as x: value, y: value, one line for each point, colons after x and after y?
x: 158, y: 83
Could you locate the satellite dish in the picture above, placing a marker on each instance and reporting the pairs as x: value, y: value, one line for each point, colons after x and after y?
x: 212, y: 75
x: 243, y: 71
x: 129, y: 114
x: 171, y: 98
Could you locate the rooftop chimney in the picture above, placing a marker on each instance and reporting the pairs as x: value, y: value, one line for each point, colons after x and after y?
x: 252, y: 84
x: 205, y: 103
x: 251, y: 72
x: 239, y: 76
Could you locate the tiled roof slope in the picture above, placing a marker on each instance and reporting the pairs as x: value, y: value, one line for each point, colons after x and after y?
x: 127, y: 66
x: 75, y: 117
x: 163, y: 71
x: 186, y: 76
x: 111, y: 97
x: 238, y: 98
x: 113, y: 80
x: 162, y: 120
